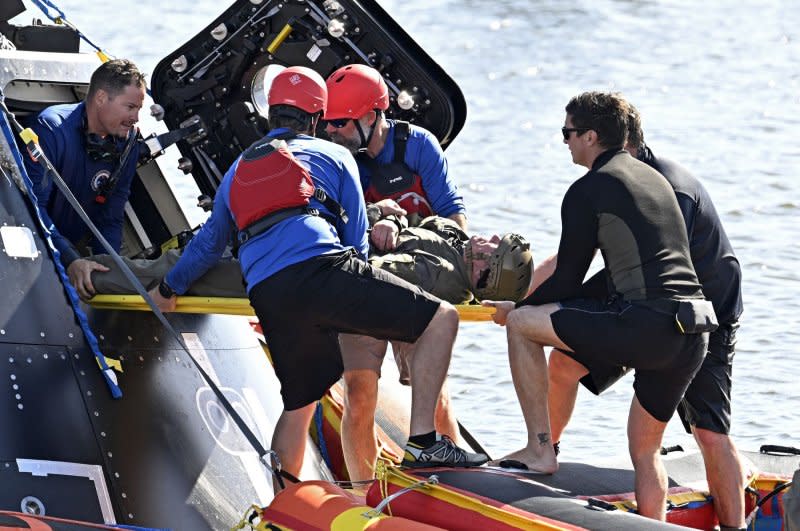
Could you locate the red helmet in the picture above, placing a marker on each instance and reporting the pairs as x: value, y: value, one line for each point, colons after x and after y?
x: 354, y: 90
x: 299, y: 87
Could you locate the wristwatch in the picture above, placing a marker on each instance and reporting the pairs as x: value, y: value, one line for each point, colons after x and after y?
x: 164, y: 289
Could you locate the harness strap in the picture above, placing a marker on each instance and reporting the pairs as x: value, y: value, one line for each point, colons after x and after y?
x: 111, y: 183
x: 270, y: 220
x: 401, y: 134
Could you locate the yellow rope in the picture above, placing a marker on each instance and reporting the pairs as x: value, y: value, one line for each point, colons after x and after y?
x: 252, y: 512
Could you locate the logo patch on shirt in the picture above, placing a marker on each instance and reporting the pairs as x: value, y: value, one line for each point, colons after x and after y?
x: 100, y: 180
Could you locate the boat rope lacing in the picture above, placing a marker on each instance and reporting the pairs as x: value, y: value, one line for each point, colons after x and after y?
x: 61, y: 19
x: 384, y: 504
x: 268, y: 458
x: 383, y: 469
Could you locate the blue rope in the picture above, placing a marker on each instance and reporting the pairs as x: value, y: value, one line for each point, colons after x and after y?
x: 323, y: 448
x: 83, y: 321
x: 61, y: 18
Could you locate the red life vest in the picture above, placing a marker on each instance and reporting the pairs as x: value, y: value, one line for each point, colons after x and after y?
x: 270, y: 185
x: 396, y: 180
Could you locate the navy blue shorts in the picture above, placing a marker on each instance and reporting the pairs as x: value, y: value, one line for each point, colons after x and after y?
x: 611, y: 337
x: 303, y: 307
x: 707, y: 402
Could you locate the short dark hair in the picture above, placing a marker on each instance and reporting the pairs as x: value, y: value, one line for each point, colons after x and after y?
x: 113, y: 76
x: 290, y: 117
x: 605, y: 113
x: 635, y: 132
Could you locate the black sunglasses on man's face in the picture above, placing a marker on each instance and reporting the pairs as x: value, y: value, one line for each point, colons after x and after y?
x: 567, y: 131
x: 338, y: 123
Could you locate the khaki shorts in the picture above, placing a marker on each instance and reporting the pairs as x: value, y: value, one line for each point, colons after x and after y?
x: 364, y: 352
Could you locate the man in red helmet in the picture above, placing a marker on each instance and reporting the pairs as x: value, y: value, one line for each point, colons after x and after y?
x: 403, y: 172
x: 296, y: 207
x: 396, y: 160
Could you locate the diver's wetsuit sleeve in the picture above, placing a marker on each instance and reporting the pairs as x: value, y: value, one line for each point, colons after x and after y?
x: 579, y: 231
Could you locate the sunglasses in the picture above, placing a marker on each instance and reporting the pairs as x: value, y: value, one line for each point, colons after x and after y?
x: 567, y: 131
x: 338, y: 123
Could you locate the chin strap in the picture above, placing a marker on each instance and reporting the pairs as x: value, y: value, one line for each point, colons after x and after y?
x: 366, y: 139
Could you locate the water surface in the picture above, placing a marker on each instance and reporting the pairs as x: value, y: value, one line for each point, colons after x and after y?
x: 718, y: 85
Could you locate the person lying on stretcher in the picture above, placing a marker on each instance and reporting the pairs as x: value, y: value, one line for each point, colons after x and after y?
x: 437, y: 255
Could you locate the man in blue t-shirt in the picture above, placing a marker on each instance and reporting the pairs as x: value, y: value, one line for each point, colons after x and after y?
x: 93, y: 147
x: 307, y: 277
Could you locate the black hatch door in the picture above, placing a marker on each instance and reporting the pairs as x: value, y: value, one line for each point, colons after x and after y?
x: 214, y: 85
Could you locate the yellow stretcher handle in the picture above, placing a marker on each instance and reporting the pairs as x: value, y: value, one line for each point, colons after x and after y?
x: 240, y: 306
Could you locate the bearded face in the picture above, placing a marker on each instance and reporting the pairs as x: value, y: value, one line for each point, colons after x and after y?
x: 482, y: 249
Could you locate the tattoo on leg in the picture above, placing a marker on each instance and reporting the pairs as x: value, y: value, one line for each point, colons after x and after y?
x: 544, y: 438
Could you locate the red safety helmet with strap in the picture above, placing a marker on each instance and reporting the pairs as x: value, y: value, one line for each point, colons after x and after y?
x: 354, y: 90
x: 299, y: 87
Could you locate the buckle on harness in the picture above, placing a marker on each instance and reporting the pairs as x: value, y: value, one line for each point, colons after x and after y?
x: 320, y: 195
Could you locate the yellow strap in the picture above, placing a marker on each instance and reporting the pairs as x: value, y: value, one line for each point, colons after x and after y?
x: 239, y: 306
x: 114, y: 364
x: 253, y: 512
x: 172, y: 243
x: 355, y: 519
x: 29, y: 136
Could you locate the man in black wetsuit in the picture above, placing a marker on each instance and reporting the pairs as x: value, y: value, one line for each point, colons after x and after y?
x: 706, y: 407
x: 656, y: 321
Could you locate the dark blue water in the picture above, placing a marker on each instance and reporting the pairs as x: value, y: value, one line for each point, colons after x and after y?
x: 718, y: 84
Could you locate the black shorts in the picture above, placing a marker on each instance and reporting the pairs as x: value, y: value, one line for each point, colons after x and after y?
x: 609, y: 338
x: 707, y: 402
x: 303, y: 307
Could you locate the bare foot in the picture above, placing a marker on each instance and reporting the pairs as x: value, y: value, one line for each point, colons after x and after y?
x: 544, y: 463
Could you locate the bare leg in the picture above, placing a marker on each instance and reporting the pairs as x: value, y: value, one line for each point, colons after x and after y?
x: 645, y: 433
x: 359, y: 444
x: 726, y: 476
x: 429, y: 367
x: 445, y: 419
x: 289, y: 439
x: 564, y: 373
x: 526, y: 328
